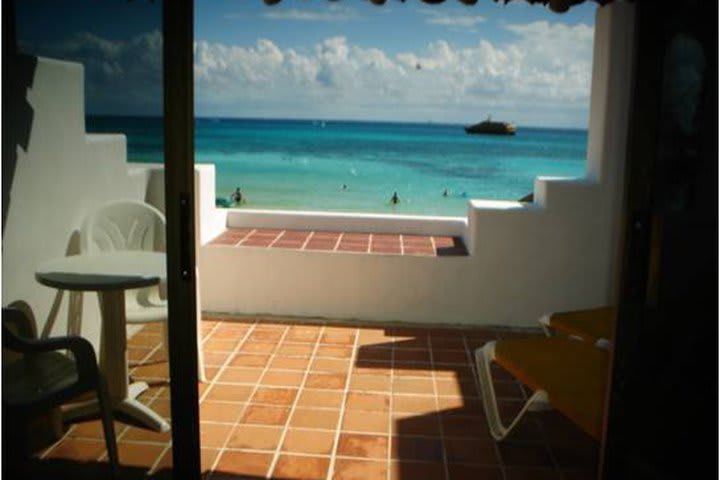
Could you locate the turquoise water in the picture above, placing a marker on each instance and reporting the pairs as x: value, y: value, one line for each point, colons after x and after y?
x: 303, y: 164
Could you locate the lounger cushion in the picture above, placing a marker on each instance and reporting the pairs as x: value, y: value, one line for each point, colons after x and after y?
x: 590, y: 325
x: 572, y: 373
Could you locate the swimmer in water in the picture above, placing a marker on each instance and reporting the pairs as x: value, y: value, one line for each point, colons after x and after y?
x: 445, y: 193
x: 344, y: 187
x: 394, y: 199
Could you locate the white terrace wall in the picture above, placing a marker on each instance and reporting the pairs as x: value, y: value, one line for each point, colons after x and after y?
x: 525, y: 259
x: 62, y: 174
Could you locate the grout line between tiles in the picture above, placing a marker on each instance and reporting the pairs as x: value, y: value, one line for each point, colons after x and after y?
x: 286, y: 427
x: 307, y: 240
x: 337, y: 242
x: 391, y: 410
x: 221, y: 450
x: 279, y: 235
x: 434, y: 245
x: 247, y: 236
x: 346, y: 390
x: 446, y: 466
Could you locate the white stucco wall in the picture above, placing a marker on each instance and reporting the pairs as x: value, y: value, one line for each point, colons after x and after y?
x: 525, y: 259
x: 61, y: 176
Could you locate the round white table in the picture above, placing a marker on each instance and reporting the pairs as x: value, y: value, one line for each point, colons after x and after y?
x: 110, y: 274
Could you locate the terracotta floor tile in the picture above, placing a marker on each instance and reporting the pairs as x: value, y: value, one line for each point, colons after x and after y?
x: 461, y: 406
x: 223, y: 412
x: 454, y: 343
x: 449, y: 357
x: 133, y: 434
x: 474, y: 472
x: 161, y: 406
x: 320, y: 398
x: 361, y: 421
x: 302, y: 335
x: 374, y: 353
x: 368, y: 402
x: 413, y: 356
x: 330, y: 365
x: 93, y: 430
x: 456, y: 388
x: 321, y: 245
x: 244, y: 463
x: 266, y: 415
x: 215, y: 358
x: 289, y: 363
x: 464, y: 427
x: 525, y: 454
x: 309, y: 441
x: 413, y: 370
x: 240, y: 375
x: 78, y: 449
x: 338, y: 338
x: 328, y: 381
x: 370, y: 383
x: 258, y: 347
x: 362, y: 445
x: 266, y: 335
x: 412, y: 424
x: 424, y: 386
x: 372, y: 368
x: 313, y: 418
x: 287, y: 379
x: 229, y: 393
x: 138, y: 455
x: 249, y: 360
x: 417, y: 448
x: 306, y: 468
x: 295, y: 349
x: 402, y: 470
x: 346, y: 469
x: 222, y: 345
x: 274, y: 396
x: 255, y: 437
x: 214, y: 435
x: 465, y: 450
x: 413, y: 404
x: 333, y: 351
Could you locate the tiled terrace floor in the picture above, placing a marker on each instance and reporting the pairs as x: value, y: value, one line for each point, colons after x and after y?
x: 295, y: 400
x: 347, y: 242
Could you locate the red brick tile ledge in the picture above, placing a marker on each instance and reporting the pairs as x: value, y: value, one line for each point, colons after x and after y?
x: 345, y: 242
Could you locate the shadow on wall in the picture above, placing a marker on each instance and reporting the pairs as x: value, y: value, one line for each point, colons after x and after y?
x: 19, y: 73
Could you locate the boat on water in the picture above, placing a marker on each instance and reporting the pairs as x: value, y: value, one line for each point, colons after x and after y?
x: 490, y: 127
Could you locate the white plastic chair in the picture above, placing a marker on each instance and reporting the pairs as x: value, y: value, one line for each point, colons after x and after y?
x: 132, y: 225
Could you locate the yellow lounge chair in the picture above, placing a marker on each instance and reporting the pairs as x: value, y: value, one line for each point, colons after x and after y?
x: 593, y: 325
x: 567, y: 375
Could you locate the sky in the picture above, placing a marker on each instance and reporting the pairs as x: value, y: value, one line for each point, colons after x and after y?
x: 350, y: 59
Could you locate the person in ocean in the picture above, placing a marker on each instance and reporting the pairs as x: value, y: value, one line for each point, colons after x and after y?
x: 344, y: 187
x: 237, y: 197
x: 445, y: 193
x: 394, y: 199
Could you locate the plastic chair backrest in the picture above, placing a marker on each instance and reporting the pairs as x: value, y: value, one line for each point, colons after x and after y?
x: 123, y: 225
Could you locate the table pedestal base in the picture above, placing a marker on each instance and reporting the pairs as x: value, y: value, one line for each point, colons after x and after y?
x: 138, y: 412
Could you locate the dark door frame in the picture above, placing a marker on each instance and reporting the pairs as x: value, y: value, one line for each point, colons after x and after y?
x: 179, y: 210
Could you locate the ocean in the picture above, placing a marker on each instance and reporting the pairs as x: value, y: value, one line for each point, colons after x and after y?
x: 353, y: 166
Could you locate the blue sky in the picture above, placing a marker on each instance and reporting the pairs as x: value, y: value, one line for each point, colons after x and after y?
x: 405, y: 61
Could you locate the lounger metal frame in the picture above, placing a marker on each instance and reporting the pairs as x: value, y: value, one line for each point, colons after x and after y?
x: 484, y: 356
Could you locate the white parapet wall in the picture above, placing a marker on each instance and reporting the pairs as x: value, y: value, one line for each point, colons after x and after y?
x: 525, y: 259
x: 60, y: 175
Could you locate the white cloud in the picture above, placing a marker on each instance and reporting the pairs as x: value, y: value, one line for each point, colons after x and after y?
x: 456, y: 21
x: 540, y: 78
x: 335, y: 13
